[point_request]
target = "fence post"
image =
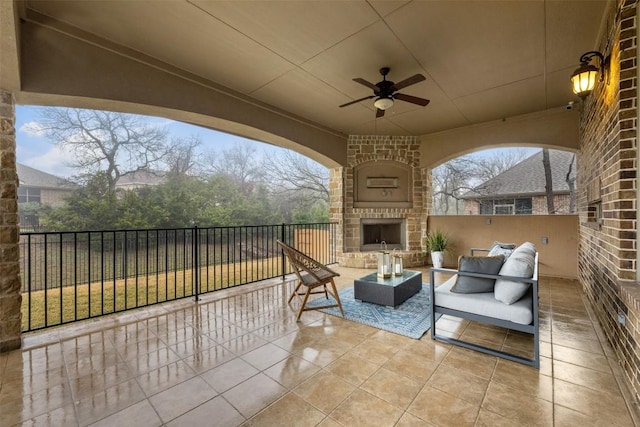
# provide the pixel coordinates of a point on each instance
(196, 261)
(282, 260)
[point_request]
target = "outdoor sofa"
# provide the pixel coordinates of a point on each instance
(500, 289)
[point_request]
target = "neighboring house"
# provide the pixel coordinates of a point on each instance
(520, 190)
(141, 178)
(41, 187)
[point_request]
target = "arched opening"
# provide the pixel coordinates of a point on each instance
(74, 153)
(506, 181)
(501, 195)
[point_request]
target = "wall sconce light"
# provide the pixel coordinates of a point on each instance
(583, 79)
(383, 103)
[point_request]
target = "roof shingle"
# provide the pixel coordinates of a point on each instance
(527, 177)
(31, 177)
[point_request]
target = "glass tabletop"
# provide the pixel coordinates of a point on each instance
(390, 281)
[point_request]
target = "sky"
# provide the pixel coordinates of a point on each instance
(34, 149)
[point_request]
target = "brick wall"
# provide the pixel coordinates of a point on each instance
(10, 297)
(561, 203)
(607, 177)
(362, 149)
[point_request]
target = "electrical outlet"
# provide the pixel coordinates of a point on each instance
(545, 240)
(622, 319)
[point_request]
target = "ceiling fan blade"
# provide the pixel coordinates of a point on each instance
(410, 81)
(365, 83)
(356, 101)
(411, 99)
(379, 113)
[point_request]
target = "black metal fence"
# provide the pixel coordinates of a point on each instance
(70, 276)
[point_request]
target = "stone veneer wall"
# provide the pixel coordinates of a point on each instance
(366, 148)
(10, 297)
(607, 172)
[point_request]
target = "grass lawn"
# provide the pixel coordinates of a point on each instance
(62, 305)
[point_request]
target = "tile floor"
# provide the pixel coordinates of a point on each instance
(239, 358)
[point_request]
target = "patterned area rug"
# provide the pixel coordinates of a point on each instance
(411, 319)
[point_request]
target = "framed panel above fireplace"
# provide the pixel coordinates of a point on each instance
(383, 184)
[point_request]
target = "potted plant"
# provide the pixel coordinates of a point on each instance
(437, 242)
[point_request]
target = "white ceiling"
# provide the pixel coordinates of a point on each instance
(483, 60)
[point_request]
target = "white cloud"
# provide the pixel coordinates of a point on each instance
(55, 161)
(33, 128)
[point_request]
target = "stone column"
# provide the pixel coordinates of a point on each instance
(336, 207)
(10, 297)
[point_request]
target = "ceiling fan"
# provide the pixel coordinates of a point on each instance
(386, 91)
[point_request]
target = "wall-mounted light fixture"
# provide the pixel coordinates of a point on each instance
(584, 78)
(383, 103)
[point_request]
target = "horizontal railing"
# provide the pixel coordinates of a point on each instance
(71, 276)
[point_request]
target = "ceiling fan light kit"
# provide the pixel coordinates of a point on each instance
(385, 92)
(383, 103)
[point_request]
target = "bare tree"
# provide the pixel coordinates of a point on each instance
(571, 183)
(449, 182)
(115, 144)
(288, 172)
(181, 156)
(300, 184)
(239, 163)
(548, 181)
(488, 167)
(453, 179)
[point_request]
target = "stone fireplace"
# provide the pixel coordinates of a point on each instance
(380, 195)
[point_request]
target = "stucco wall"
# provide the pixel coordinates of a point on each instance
(556, 128)
(558, 258)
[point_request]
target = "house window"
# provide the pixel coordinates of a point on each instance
(503, 207)
(26, 194)
(521, 206)
(524, 206)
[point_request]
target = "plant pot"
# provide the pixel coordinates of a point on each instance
(437, 259)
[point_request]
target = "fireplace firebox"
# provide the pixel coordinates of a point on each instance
(373, 231)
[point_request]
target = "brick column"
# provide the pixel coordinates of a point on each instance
(10, 297)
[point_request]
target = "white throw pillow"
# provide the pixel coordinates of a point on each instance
(499, 248)
(526, 248)
(519, 264)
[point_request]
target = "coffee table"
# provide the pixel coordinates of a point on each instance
(390, 292)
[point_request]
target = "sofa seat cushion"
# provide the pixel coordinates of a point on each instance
(485, 304)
